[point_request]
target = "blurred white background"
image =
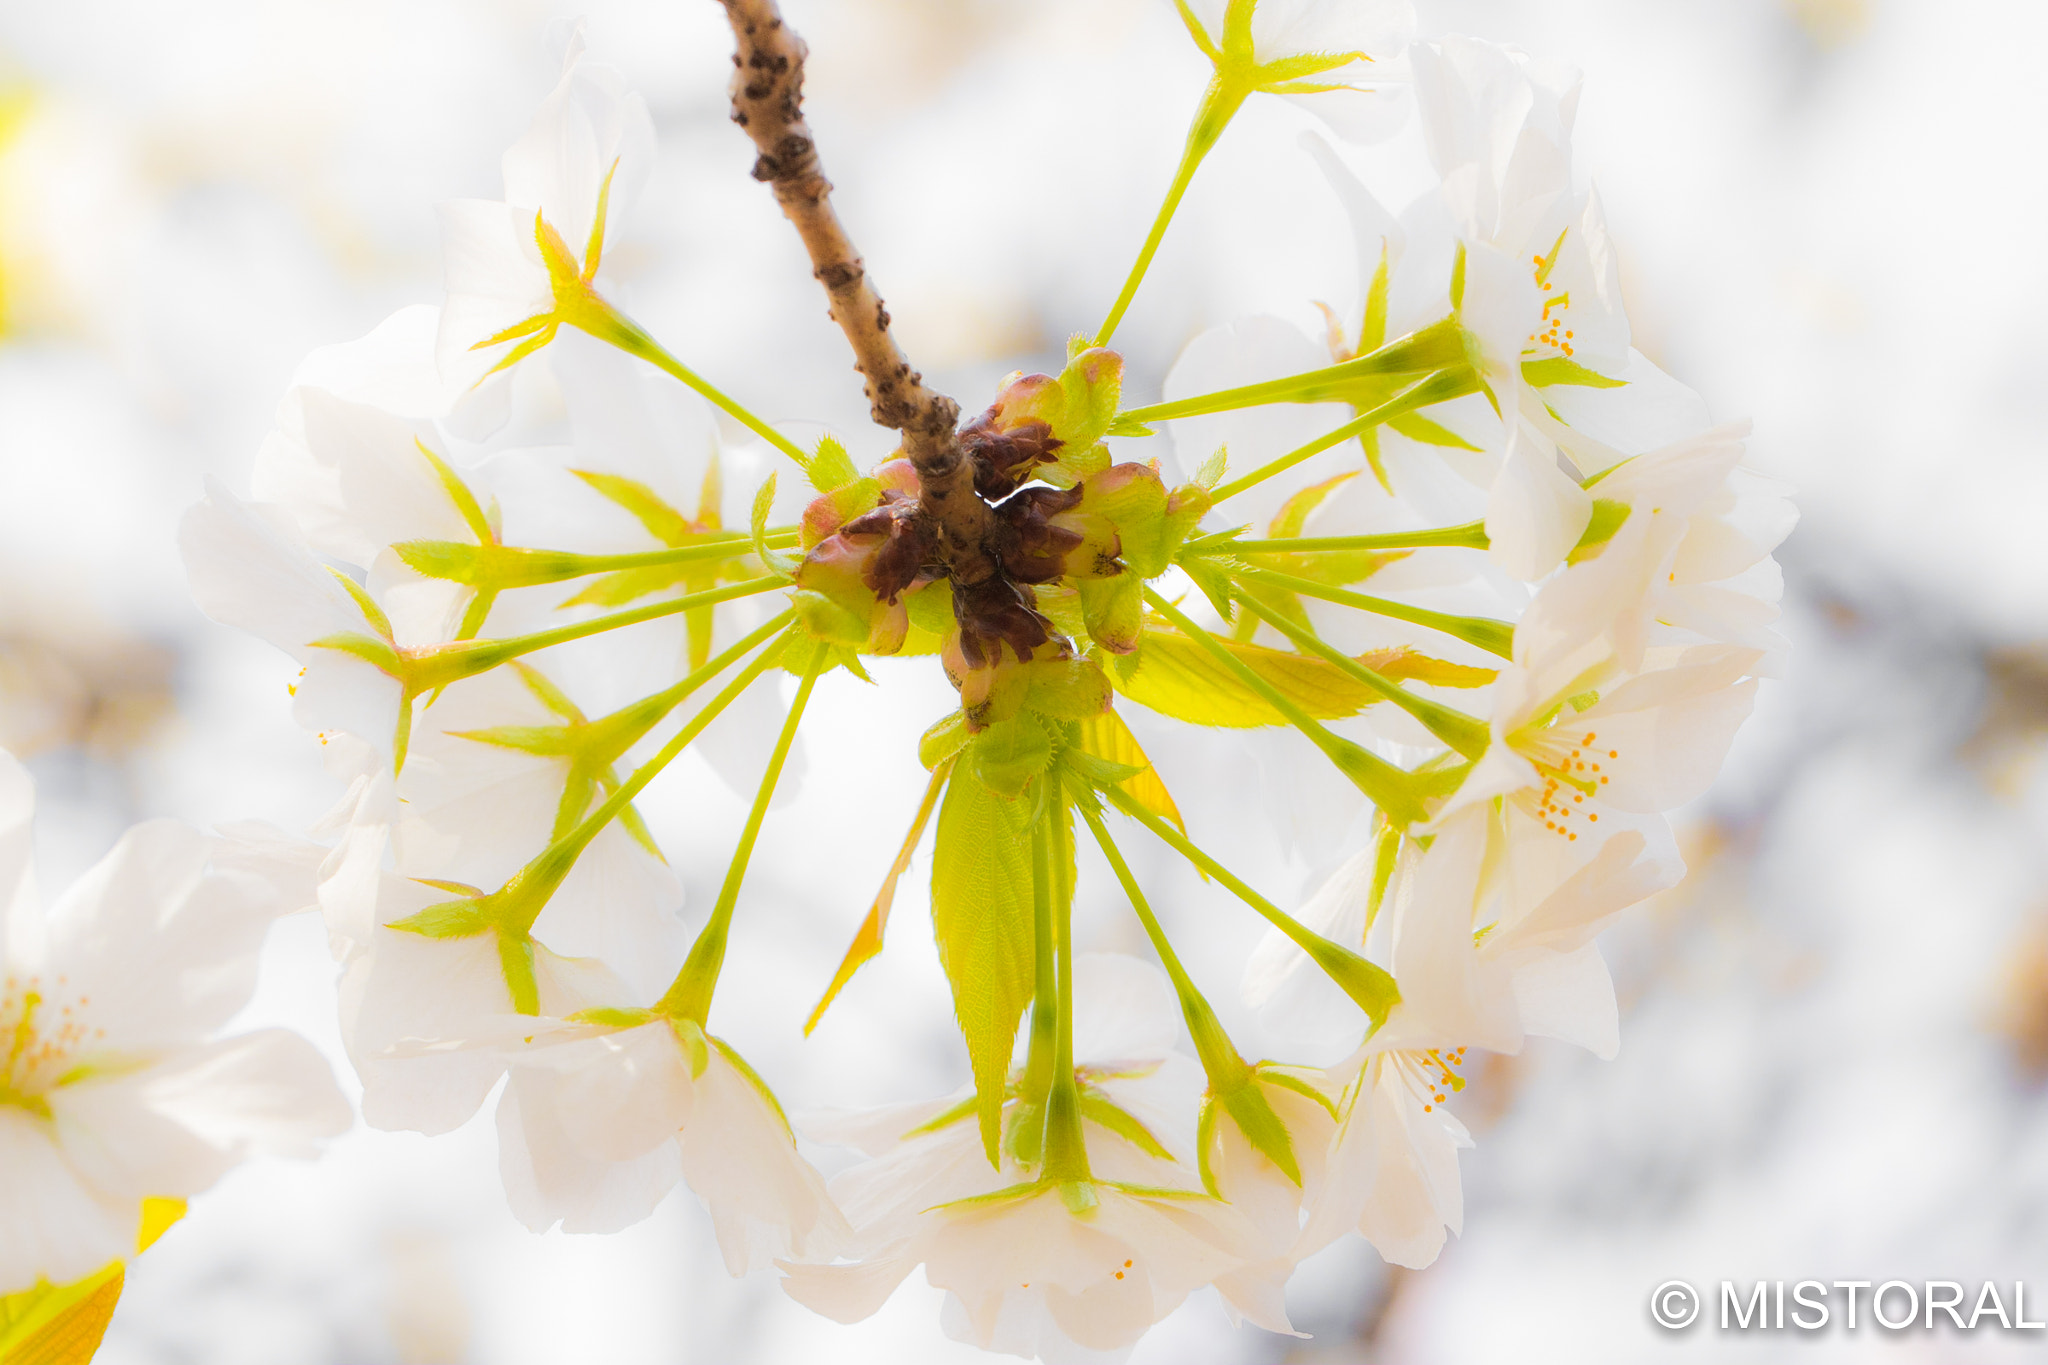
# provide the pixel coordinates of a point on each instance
(1835, 1034)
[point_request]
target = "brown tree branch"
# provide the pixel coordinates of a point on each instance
(767, 101)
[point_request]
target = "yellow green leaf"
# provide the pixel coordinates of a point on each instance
(982, 918)
(1107, 737)
(1175, 676)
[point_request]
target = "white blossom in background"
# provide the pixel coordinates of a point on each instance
(116, 1085)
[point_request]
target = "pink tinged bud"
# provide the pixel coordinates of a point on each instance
(1095, 554)
(820, 520)
(898, 475)
(1024, 398)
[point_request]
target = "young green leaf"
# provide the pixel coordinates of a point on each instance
(831, 467)
(982, 917)
(1179, 678)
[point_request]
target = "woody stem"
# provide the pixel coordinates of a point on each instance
(767, 101)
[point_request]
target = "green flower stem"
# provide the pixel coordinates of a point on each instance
(1221, 1060)
(1437, 388)
(443, 664)
(1368, 984)
(1066, 1149)
(1467, 734)
(1390, 788)
(634, 720)
(690, 996)
(607, 323)
(1220, 104)
(1439, 346)
(497, 568)
(1045, 1003)
(1495, 637)
(1470, 536)
(527, 893)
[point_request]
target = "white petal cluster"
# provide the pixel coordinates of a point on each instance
(1630, 549)
(400, 440)
(116, 1085)
(1024, 1272)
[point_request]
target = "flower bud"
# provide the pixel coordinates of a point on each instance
(862, 571)
(1008, 442)
(1048, 533)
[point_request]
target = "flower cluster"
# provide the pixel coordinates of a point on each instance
(1500, 571)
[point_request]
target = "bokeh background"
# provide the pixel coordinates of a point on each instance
(1835, 1033)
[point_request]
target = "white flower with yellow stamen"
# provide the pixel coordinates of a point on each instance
(115, 1085)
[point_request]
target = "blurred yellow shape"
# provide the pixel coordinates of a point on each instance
(63, 1324)
(14, 111)
(1830, 23)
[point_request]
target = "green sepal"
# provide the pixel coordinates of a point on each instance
(1368, 984)
(1608, 516)
(1558, 370)
(1009, 1194)
(613, 1016)
(1416, 427)
(1098, 1109)
(1272, 1073)
(739, 1064)
(515, 957)
(449, 919)
(690, 1034)
(945, 1118)
(1205, 1137)
(1262, 1128)
(1126, 425)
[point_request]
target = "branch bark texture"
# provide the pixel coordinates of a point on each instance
(767, 101)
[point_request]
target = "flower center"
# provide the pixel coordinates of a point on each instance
(1437, 1070)
(1571, 773)
(1557, 304)
(40, 1032)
